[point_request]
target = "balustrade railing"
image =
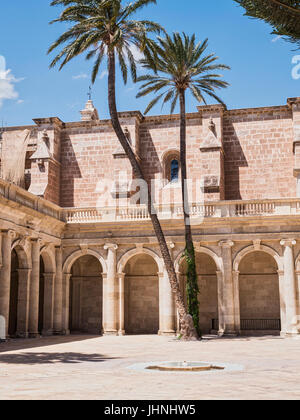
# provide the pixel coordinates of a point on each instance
(200, 211)
(222, 209)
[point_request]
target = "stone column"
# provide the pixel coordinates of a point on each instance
(109, 292)
(236, 299)
(24, 275)
(66, 304)
(58, 292)
(34, 289)
(221, 308)
(166, 306)
(7, 237)
(282, 302)
(227, 297)
(0, 249)
(121, 277)
(48, 304)
(290, 287)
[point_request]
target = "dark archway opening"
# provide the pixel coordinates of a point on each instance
(86, 296)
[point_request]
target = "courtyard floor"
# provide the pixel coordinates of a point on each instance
(85, 367)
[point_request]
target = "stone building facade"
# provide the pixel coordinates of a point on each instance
(79, 255)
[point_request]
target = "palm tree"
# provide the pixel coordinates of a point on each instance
(283, 16)
(104, 29)
(180, 64)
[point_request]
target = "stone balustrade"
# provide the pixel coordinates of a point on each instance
(208, 210)
(213, 210)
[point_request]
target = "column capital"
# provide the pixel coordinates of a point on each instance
(67, 276)
(121, 276)
(280, 272)
(38, 241)
(288, 242)
(10, 233)
(111, 247)
(226, 244)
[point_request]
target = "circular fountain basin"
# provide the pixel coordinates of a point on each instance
(184, 367)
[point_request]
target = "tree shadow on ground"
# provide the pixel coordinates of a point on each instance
(20, 344)
(51, 358)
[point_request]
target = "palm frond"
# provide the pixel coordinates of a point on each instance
(180, 63)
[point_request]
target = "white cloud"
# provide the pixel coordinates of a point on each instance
(80, 76)
(137, 53)
(277, 38)
(7, 83)
(103, 74)
(130, 89)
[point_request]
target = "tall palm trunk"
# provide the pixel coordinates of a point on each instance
(192, 282)
(139, 174)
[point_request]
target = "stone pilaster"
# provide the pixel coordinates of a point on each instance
(57, 322)
(292, 324)
(5, 273)
(0, 250)
(34, 289)
(236, 300)
(121, 277)
(24, 276)
(282, 302)
(166, 306)
(226, 292)
(110, 292)
(66, 304)
(48, 304)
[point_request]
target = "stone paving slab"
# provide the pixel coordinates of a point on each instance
(85, 367)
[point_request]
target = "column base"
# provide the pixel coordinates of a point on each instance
(110, 333)
(58, 333)
(34, 335)
(292, 334)
(170, 333)
(22, 335)
(228, 334)
(121, 333)
(47, 333)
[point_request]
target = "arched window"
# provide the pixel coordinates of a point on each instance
(171, 166)
(174, 176)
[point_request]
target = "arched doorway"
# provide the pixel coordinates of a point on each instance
(14, 292)
(208, 290)
(259, 293)
(141, 295)
(86, 296)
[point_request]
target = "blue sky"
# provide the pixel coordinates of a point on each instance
(261, 64)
